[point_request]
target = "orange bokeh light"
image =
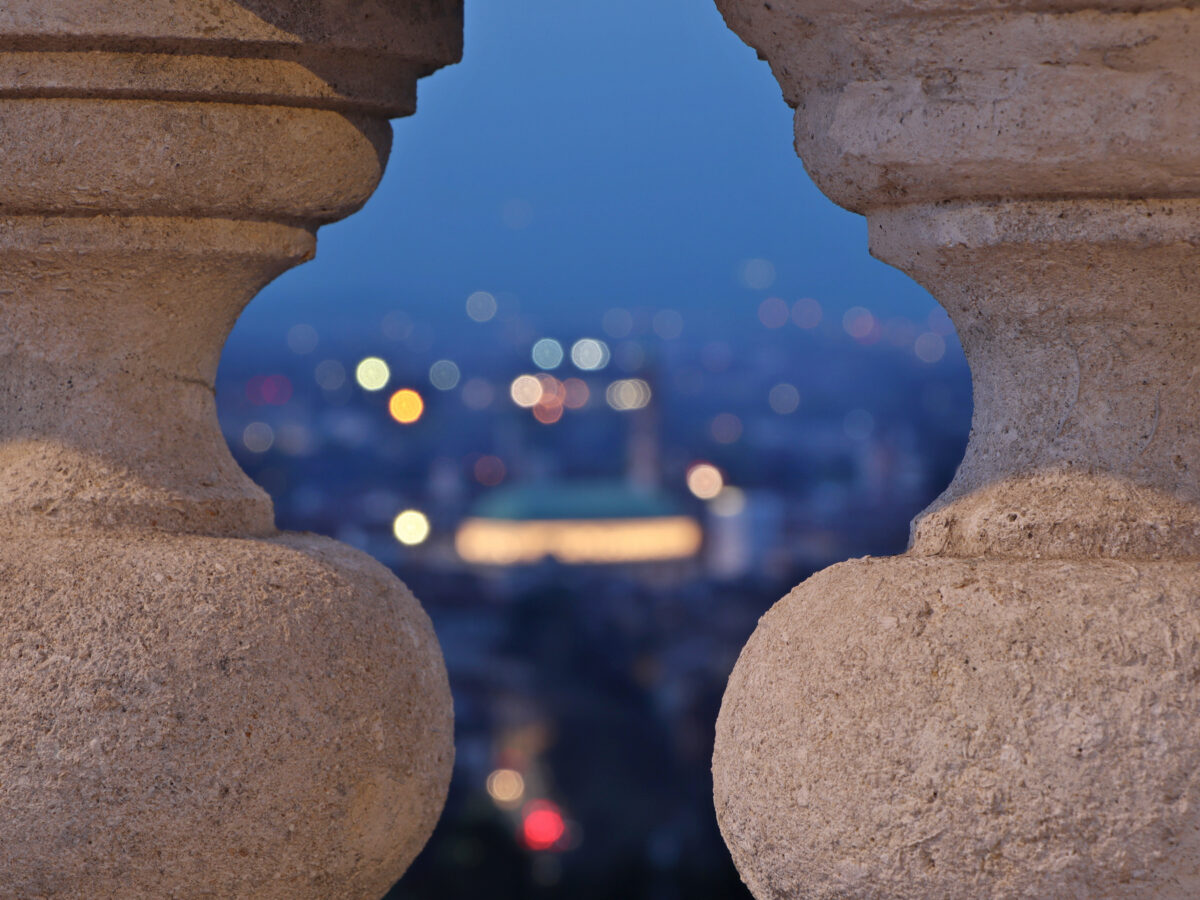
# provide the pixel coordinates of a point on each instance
(548, 415)
(553, 392)
(406, 406)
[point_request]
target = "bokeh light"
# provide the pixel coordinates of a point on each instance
(930, 347)
(506, 787)
(481, 306)
(576, 393)
(548, 415)
(269, 390)
(547, 354)
(411, 528)
(549, 409)
(258, 437)
(784, 399)
(590, 354)
(725, 428)
(543, 825)
(295, 439)
(705, 480)
(372, 374)
(526, 391)
(773, 312)
(478, 394)
(858, 322)
(444, 375)
(628, 394)
(302, 339)
(758, 274)
(330, 375)
(618, 323)
(406, 406)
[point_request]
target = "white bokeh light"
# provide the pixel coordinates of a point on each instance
(444, 375)
(481, 306)
(590, 354)
(547, 354)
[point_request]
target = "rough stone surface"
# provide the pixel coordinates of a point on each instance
(194, 705)
(112, 319)
(909, 102)
(1081, 324)
(920, 728)
(213, 717)
(328, 35)
(1010, 709)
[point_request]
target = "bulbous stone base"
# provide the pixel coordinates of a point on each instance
(956, 728)
(194, 717)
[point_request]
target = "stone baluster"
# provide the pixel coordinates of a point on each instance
(194, 704)
(1011, 708)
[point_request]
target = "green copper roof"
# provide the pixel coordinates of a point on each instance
(574, 500)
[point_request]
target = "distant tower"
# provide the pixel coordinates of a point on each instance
(643, 453)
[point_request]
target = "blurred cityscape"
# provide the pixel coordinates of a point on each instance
(594, 522)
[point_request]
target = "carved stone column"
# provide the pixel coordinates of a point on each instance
(193, 704)
(1012, 709)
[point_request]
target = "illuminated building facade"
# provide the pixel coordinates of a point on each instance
(588, 524)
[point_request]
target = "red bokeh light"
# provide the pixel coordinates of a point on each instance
(543, 825)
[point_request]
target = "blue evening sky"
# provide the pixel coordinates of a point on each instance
(588, 154)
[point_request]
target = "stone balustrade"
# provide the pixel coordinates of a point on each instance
(1009, 710)
(199, 706)
(195, 705)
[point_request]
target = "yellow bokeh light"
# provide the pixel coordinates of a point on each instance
(411, 528)
(506, 787)
(372, 374)
(705, 481)
(406, 406)
(526, 391)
